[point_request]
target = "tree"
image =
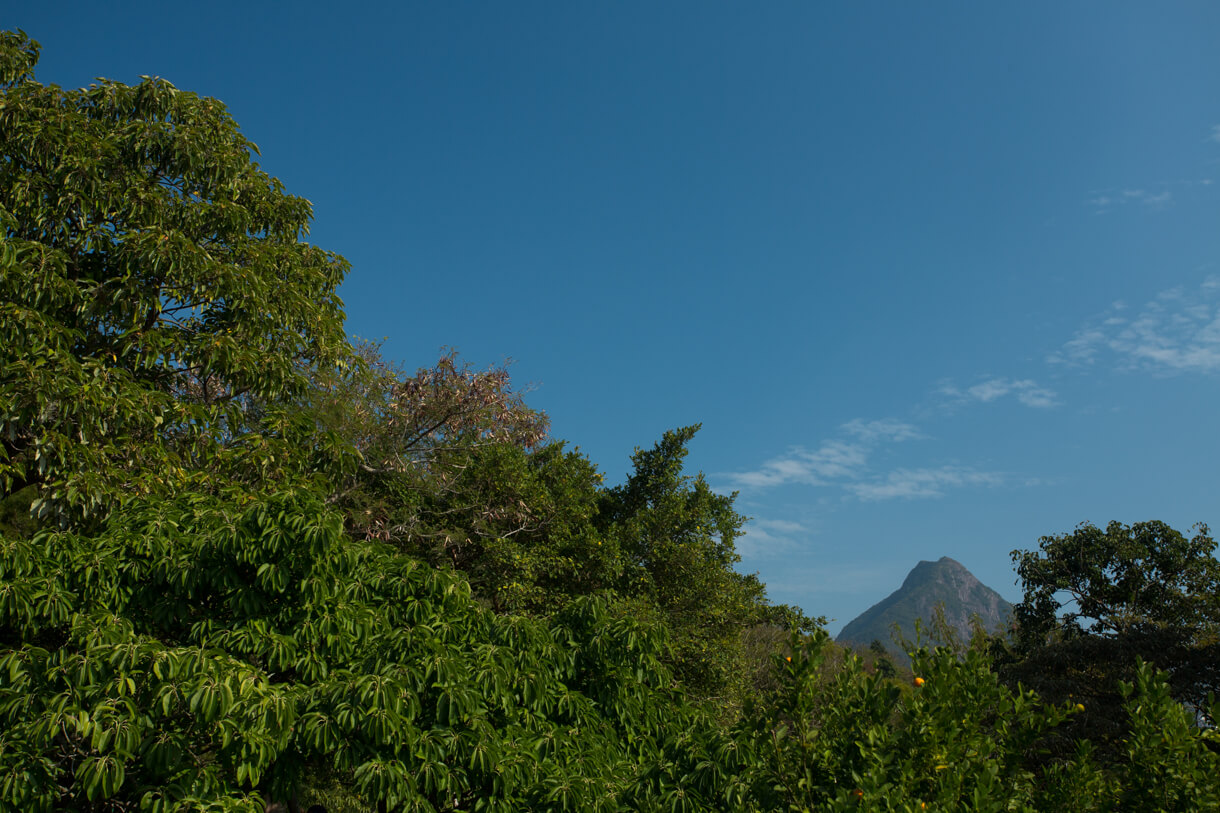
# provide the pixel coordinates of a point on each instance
(883, 664)
(677, 538)
(421, 425)
(1097, 601)
(454, 467)
(157, 300)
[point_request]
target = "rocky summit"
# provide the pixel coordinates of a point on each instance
(945, 582)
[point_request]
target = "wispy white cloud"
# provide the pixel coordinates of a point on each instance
(836, 459)
(1178, 331)
(1036, 397)
(1156, 196)
(846, 461)
(845, 464)
(1025, 390)
(782, 526)
(833, 460)
(883, 429)
(928, 482)
(1107, 199)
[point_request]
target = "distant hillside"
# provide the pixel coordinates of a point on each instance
(944, 582)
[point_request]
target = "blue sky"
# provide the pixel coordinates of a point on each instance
(937, 279)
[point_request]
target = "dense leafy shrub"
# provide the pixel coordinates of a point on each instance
(209, 654)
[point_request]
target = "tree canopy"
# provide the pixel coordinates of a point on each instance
(158, 297)
(1097, 600)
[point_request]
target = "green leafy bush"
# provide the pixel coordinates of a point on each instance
(206, 654)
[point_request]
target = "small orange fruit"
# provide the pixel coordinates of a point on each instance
(919, 681)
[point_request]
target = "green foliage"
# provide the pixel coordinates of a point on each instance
(201, 653)
(156, 296)
(882, 663)
(1170, 764)
(1122, 580)
(859, 741)
(456, 470)
(528, 542)
(1097, 601)
(677, 536)
(834, 737)
(15, 515)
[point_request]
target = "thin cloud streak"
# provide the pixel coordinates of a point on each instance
(1025, 390)
(883, 429)
(1106, 200)
(833, 461)
(1158, 197)
(845, 465)
(1177, 332)
(922, 483)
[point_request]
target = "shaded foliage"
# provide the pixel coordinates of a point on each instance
(1098, 601)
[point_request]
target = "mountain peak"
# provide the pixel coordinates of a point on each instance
(942, 565)
(945, 582)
